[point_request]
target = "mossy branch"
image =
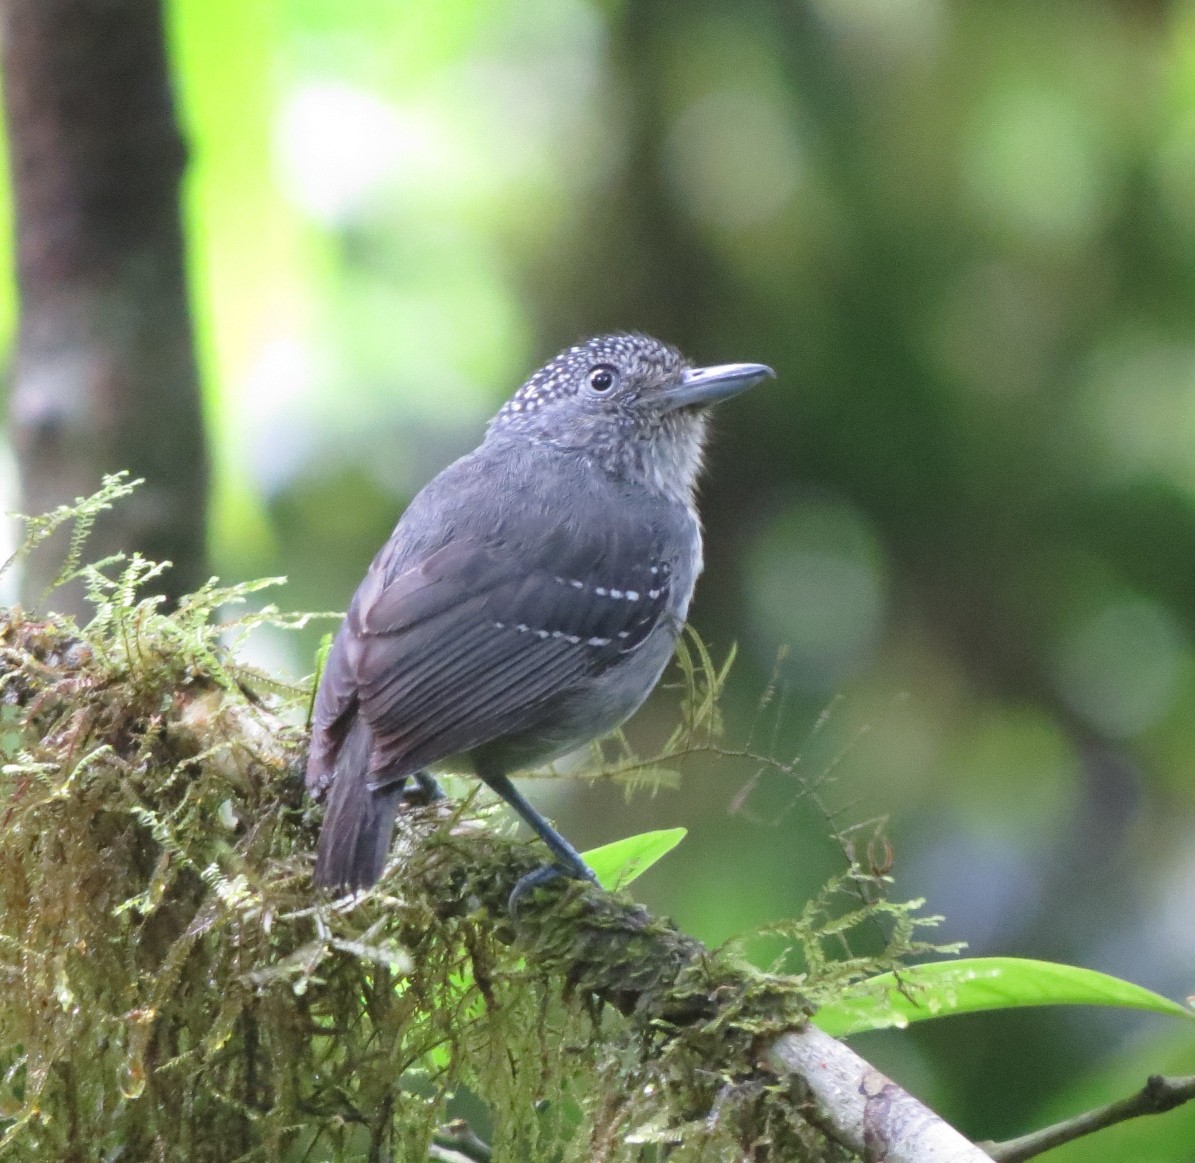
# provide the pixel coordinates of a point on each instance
(174, 988)
(173, 983)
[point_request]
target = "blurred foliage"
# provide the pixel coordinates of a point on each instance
(964, 234)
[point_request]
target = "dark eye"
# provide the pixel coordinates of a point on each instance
(603, 378)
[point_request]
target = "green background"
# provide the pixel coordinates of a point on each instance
(964, 236)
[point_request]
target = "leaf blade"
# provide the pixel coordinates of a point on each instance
(971, 985)
(623, 861)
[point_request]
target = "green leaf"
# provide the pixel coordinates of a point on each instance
(617, 864)
(980, 983)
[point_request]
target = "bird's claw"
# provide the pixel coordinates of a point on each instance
(422, 791)
(536, 878)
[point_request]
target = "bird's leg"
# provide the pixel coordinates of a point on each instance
(568, 858)
(424, 791)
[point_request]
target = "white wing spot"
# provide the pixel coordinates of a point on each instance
(616, 593)
(653, 594)
(600, 591)
(522, 627)
(632, 595)
(597, 642)
(499, 625)
(577, 585)
(541, 634)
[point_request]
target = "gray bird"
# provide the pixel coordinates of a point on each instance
(527, 601)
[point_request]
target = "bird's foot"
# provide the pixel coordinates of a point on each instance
(536, 878)
(421, 791)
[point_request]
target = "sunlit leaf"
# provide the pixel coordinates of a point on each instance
(617, 864)
(981, 983)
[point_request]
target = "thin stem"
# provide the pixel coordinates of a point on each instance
(1157, 1096)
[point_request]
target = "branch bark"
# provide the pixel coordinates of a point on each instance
(865, 1110)
(104, 375)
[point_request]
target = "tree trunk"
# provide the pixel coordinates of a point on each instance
(104, 375)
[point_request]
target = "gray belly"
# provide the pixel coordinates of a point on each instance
(586, 712)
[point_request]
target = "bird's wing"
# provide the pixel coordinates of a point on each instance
(469, 644)
(335, 702)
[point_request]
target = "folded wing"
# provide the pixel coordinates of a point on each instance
(476, 640)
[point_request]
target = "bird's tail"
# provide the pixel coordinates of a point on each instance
(358, 822)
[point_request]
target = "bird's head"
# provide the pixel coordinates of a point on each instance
(631, 404)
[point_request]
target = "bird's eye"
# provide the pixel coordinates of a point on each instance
(603, 379)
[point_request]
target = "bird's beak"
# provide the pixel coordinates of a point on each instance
(701, 386)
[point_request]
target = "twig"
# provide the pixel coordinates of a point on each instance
(1157, 1096)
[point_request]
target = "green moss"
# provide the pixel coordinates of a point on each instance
(175, 989)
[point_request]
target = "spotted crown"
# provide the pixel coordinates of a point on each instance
(637, 357)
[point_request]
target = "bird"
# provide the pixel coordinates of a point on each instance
(528, 600)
